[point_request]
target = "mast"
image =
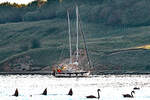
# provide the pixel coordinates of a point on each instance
(69, 37)
(77, 26)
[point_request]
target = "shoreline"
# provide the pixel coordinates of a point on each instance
(97, 73)
(27, 73)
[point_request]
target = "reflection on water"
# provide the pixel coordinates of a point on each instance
(112, 87)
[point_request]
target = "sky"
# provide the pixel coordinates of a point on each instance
(17, 1)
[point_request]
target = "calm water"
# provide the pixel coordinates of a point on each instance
(112, 87)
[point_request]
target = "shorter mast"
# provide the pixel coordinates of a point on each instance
(69, 37)
(77, 26)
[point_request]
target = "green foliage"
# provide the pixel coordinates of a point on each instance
(24, 47)
(109, 12)
(35, 43)
(52, 38)
(41, 33)
(8, 4)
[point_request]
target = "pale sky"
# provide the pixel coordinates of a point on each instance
(17, 1)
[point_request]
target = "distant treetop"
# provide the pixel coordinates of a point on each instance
(13, 4)
(39, 3)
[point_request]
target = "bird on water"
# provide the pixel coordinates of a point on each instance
(45, 92)
(129, 95)
(70, 92)
(136, 88)
(16, 93)
(92, 96)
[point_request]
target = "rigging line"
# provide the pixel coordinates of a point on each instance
(85, 45)
(69, 37)
(63, 47)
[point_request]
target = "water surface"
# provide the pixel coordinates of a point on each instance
(112, 87)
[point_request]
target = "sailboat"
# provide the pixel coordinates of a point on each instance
(72, 68)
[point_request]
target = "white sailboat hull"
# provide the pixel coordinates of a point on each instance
(72, 74)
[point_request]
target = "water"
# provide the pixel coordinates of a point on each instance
(112, 87)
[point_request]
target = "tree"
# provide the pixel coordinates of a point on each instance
(35, 43)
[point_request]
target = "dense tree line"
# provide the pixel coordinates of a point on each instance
(14, 12)
(110, 12)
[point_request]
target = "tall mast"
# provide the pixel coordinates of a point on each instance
(69, 37)
(77, 26)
